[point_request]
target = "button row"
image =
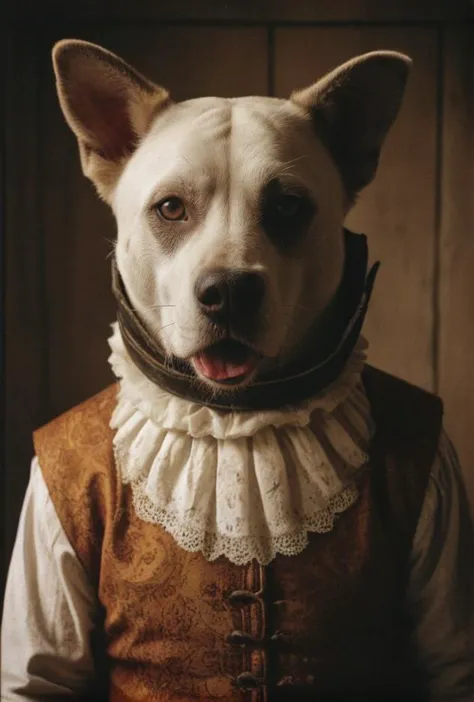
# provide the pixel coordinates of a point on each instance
(246, 680)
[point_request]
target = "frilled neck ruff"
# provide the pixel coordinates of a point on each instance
(316, 370)
(244, 485)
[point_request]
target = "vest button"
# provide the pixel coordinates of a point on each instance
(242, 597)
(241, 638)
(247, 681)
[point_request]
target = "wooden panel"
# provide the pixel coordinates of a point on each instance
(257, 10)
(190, 62)
(456, 292)
(397, 211)
(25, 332)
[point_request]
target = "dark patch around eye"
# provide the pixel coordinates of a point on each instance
(285, 213)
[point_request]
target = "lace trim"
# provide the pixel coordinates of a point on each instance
(240, 550)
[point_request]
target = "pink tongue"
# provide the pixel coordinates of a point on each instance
(219, 369)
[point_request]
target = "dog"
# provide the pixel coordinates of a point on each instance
(229, 211)
(233, 551)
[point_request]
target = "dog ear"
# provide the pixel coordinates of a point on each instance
(353, 107)
(108, 105)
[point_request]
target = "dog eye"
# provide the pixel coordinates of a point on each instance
(285, 214)
(288, 206)
(172, 209)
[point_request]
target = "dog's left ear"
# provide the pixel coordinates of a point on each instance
(353, 107)
(108, 105)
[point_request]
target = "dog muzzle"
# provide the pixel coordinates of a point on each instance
(320, 363)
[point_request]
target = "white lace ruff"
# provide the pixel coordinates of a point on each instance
(240, 484)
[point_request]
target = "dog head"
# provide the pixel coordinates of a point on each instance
(229, 211)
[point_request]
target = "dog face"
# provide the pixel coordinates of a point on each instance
(229, 211)
(220, 211)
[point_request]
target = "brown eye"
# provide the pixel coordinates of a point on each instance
(172, 209)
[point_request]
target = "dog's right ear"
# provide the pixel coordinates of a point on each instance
(353, 108)
(108, 105)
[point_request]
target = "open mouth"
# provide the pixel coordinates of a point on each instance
(227, 361)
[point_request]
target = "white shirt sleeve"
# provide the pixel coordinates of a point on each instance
(49, 607)
(441, 589)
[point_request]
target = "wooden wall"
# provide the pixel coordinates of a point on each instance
(418, 214)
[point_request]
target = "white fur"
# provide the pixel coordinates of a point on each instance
(226, 151)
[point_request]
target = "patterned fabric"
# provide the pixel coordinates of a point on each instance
(326, 622)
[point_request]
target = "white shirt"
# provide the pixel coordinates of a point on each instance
(50, 604)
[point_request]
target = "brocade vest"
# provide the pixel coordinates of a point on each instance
(328, 624)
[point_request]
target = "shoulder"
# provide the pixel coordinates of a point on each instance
(75, 453)
(81, 432)
(408, 423)
(100, 404)
(400, 409)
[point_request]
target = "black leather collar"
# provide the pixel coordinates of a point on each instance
(321, 363)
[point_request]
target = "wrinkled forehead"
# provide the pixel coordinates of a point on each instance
(210, 141)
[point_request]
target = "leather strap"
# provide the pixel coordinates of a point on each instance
(317, 367)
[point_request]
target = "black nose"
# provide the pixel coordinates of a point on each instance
(230, 298)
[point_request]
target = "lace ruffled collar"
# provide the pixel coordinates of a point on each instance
(243, 485)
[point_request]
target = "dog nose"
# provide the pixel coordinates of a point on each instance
(229, 297)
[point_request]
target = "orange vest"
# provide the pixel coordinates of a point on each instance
(328, 624)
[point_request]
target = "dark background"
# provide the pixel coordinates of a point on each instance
(418, 214)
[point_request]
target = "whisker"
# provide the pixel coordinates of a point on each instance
(286, 167)
(113, 245)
